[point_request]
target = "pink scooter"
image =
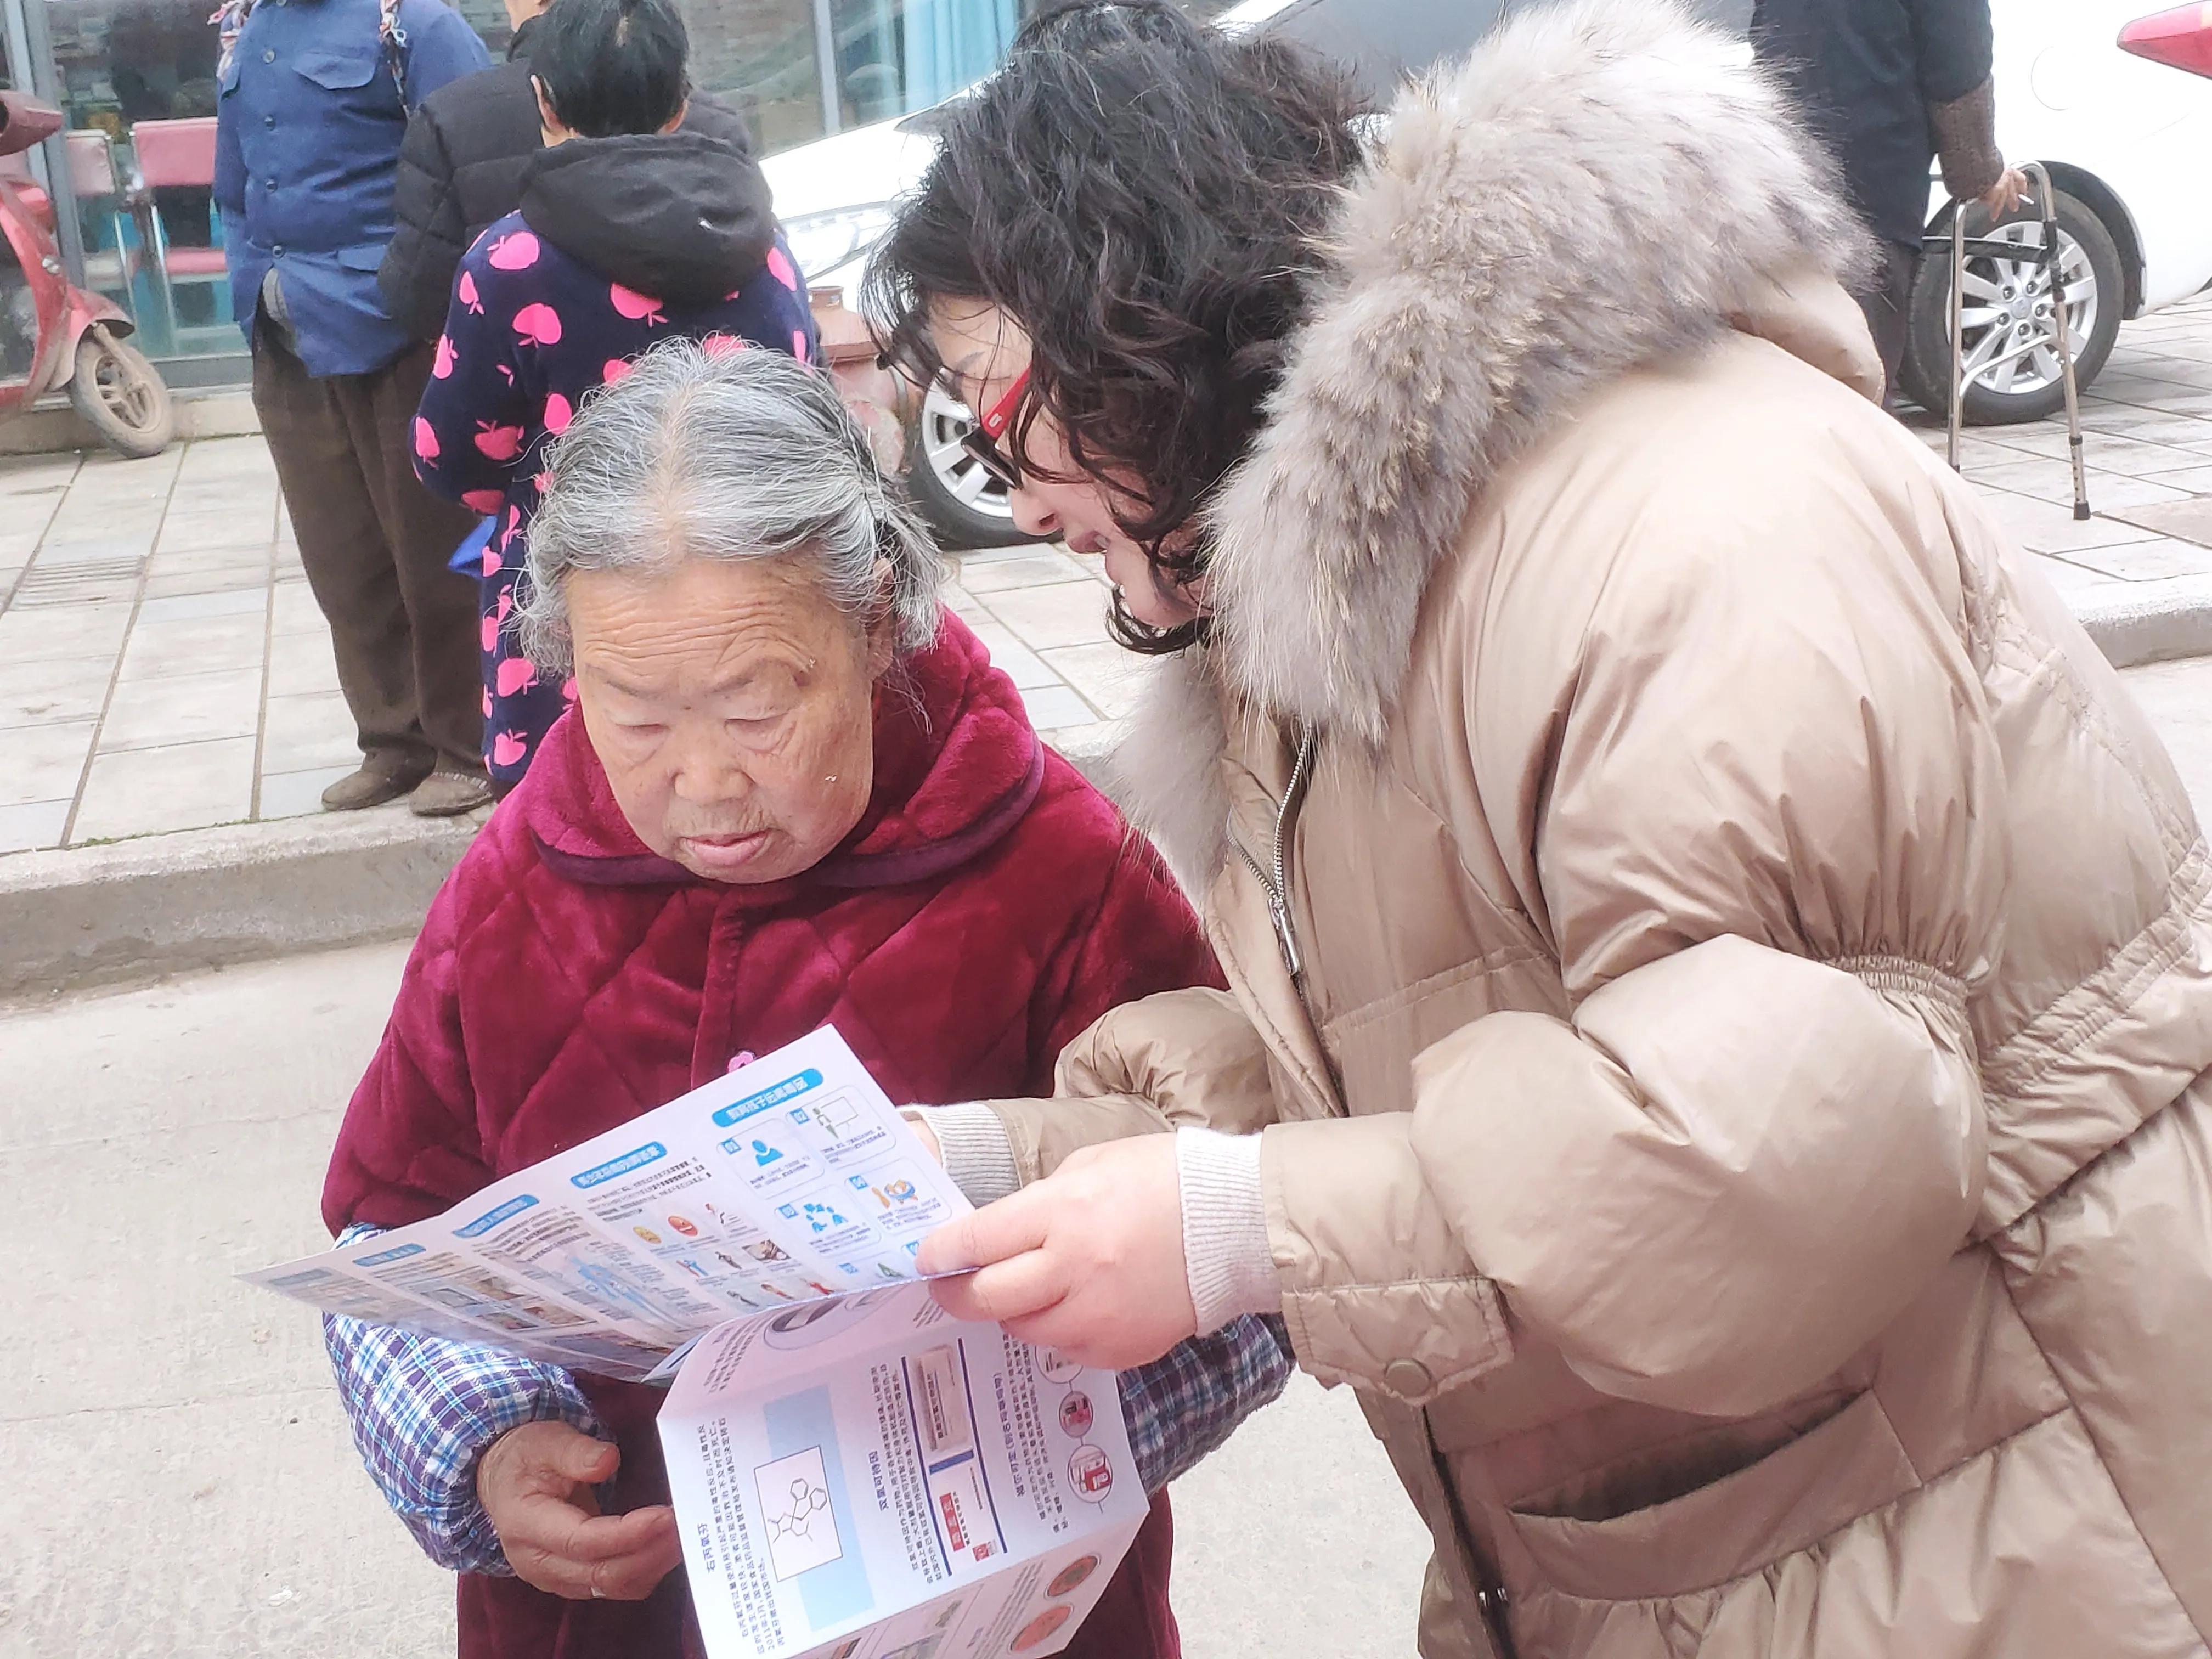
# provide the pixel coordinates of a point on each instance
(54, 334)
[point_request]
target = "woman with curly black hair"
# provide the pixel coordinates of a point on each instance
(1719, 964)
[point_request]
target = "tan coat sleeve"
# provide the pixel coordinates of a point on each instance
(1772, 857)
(1763, 816)
(1178, 1057)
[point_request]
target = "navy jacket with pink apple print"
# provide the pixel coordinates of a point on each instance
(619, 243)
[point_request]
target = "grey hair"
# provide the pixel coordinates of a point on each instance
(743, 454)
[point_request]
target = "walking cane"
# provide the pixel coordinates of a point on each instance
(2054, 276)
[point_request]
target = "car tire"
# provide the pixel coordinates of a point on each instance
(121, 396)
(1926, 372)
(962, 505)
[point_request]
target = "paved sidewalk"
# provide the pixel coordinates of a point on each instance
(163, 666)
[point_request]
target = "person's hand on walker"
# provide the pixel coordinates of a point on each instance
(536, 1484)
(1089, 1260)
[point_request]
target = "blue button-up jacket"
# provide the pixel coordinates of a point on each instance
(307, 139)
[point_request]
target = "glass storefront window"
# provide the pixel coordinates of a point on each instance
(761, 57)
(895, 57)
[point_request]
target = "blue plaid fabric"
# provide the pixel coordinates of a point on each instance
(425, 1410)
(1182, 1406)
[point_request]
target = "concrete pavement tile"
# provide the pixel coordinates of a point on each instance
(183, 607)
(227, 530)
(30, 475)
(2196, 480)
(1016, 660)
(45, 693)
(196, 645)
(147, 714)
(34, 824)
(2045, 527)
(300, 663)
(2191, 519)
(964, 604)
(2181, 370)
(296, 795)
(2076, 583)
(2053, 481)
(221, 578)
(294, 610)
(2173, 431)
(43, 762)
(225, 457)
(300, 733)
(175, 561)
(2105, 451)
(1053, 707)
(1111, 678)
(43, 589)
(2155, 559)
(17, 544)
(1066, 613)
(1036, 567)
(187, 785)
(2160, 397)
(250, 501)
(75, 633)
(97, 548)
(1978, 455)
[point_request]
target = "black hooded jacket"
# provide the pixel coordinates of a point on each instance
(670, 214)
(469, 149)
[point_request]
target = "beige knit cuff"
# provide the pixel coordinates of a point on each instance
(977, 1154)
(1226, 1257)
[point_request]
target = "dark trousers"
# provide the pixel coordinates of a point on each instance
(1889, 306)
(375, 543)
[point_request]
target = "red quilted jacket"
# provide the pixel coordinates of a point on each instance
(986, 908)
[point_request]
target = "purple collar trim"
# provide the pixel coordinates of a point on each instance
(850, 870)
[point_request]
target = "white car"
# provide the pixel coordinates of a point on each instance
(2122, 130)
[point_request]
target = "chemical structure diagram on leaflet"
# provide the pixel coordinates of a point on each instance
(802, 1523)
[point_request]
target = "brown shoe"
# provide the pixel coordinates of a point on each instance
(445, 794)
(379, 779)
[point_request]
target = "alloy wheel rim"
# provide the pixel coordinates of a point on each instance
(2011, 346)
(944, 421)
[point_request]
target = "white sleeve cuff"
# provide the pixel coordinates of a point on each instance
(1226, 1256)
(977, 1154)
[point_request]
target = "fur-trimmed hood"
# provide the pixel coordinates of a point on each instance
(1597, 187)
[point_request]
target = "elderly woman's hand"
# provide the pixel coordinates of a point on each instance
(1088, 1260)
(535, 1482)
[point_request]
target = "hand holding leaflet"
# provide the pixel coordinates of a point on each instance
(855, 1474)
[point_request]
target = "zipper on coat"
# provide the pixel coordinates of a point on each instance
(1277, 884)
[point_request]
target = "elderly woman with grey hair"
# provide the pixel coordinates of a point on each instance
(793, 792)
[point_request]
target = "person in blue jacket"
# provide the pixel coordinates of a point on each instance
(314, 96)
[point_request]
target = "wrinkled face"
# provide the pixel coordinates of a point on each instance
(985, 350)
(730, 702)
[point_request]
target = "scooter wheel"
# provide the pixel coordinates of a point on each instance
(122, 397)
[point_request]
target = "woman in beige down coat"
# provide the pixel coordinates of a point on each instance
(1721, 968)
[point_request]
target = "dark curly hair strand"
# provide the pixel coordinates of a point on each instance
(1142, 195)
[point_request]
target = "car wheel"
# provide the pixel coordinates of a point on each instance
(964, 504)
(2011, 371)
